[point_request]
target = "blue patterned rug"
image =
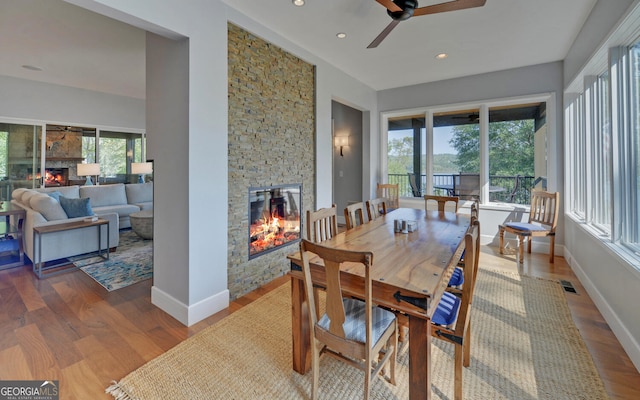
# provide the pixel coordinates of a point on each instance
(131, 263)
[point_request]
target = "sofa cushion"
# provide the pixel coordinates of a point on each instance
(139, 192)
(17, 194)
(26, 196)
(56, 195)
(76, 207)
(70, 192)
(49, 207)
(106, 195)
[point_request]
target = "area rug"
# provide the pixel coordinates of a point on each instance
(525, 346)
(132, 262)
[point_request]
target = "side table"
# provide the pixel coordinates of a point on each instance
(11, 249)
(39, 267)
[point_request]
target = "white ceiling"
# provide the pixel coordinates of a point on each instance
(78, 48)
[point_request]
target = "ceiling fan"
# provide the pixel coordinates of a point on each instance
(402, 10)
(472, 118)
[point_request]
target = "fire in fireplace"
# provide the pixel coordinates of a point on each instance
(53, 177)
(274, 217)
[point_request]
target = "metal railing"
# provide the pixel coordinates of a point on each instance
(517, 189)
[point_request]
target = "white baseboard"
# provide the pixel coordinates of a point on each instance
(628, 342)
(189, 314)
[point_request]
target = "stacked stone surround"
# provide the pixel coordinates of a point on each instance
(271, 142)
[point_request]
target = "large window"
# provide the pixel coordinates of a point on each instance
(454, 155)
(602, 120)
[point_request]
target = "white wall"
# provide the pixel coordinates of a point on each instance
(526, 81)
(26, 99)
(611, 281)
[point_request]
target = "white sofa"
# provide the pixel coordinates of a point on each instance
(107, 201)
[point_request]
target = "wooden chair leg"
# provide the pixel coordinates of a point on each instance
(315, 366)
(529, 244)
(501, 241)
(521, 248)
(457, 388)
(466, 360)
(552, 241)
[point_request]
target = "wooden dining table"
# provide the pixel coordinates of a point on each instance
(409, 274)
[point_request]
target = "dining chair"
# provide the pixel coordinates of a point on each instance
(376, 207)
(354, 215)
(441, 200)
(352, 330)
(414, 185)
(322, 224)
(389, 191)
(452, 317)
(543, 219)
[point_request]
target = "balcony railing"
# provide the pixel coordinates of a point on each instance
(513, 189)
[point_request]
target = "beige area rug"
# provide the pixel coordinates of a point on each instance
(525, 346)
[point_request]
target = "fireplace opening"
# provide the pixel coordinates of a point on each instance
(274, 217)
(53, 177)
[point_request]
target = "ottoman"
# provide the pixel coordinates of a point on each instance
(142, 223)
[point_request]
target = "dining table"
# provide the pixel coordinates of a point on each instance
(410, 272)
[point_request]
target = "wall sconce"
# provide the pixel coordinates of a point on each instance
(341, 141)
(89, 170)
(141, 169)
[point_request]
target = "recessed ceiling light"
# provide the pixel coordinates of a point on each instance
(298, 3)
(341, 35)
(442, 56)
(32, 68)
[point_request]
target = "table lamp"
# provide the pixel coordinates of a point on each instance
(89, 170)
(141, 169)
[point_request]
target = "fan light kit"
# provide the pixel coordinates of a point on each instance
(298, 3)
(402, 10)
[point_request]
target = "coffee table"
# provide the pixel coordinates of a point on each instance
(142, 223)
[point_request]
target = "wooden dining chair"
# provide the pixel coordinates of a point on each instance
(441, 200)
(543, 219)
(389, 191)
(354, 331)
(354, 215)
(322, 224)
(376, 207)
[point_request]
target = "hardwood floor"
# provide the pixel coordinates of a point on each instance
(68, 328)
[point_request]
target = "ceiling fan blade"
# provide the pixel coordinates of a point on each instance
(449, 6)
(390, 5)
(383, 34)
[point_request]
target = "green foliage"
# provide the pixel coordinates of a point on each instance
(400, 159)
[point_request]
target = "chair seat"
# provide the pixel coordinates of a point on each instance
(457, 278)
(524, 226)
(355, 323)
(447, 310)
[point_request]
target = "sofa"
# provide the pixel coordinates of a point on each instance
(112, 202)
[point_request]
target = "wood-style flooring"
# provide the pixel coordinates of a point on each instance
(68, 328)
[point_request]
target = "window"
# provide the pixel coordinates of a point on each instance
(117, 151)
(452, 155)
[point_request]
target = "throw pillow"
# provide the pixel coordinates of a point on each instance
(76, 207)
(56, 195)
(48, 207)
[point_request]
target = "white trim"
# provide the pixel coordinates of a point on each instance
(628, 342)
(189, 314)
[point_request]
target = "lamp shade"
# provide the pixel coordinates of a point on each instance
(88, 169)
(141, 168)
(341, 141)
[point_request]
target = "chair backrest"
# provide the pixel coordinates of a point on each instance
(475, 210)
(376, 207)
(332, 259)
(544, 208)
(442, 201)
(389, 191)
(472, 248)
(322, 224)
(354, 215)
(466, 186)
(414, 185)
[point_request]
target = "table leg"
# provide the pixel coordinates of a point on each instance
(300, 328)
(419, 358)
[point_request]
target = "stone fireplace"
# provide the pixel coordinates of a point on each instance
(271, 143)
(274, 217)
